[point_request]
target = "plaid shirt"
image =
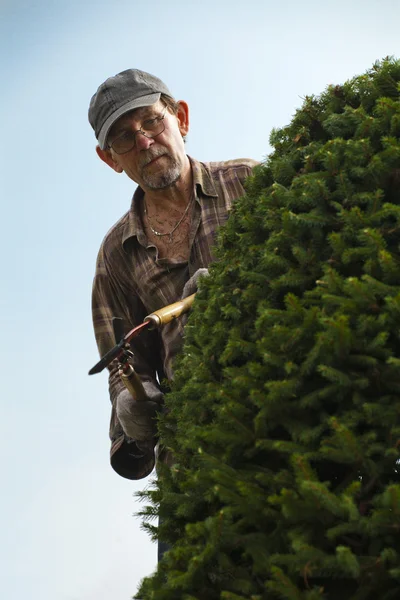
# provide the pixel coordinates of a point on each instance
(132, 282)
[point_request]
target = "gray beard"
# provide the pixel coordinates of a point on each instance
(164, 179)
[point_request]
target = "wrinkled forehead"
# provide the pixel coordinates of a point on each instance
(135, 117)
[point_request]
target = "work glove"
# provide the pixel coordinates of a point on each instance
(192, 284)
(190, 288)
(138, 418)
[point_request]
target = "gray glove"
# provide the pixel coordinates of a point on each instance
(192, 284)
(138, 418)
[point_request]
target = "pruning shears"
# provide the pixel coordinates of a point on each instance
(122, 350)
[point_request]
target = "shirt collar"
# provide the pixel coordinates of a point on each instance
(202, 177)
(202, 181)
(133, 226)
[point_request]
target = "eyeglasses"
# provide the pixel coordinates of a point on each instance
(149, 128)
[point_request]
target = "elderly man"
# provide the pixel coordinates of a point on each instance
(162, 243)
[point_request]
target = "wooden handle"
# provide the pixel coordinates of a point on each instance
(133, 383)
(169, 313)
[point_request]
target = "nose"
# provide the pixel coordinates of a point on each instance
(142, 141)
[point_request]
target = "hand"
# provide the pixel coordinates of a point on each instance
(190, 288)
(192, 284)
(137, 418)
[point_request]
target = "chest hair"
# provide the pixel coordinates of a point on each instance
(174, 246)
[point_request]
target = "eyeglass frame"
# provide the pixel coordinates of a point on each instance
(134, 133)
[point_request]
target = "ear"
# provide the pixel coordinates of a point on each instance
(183, 117)
(107, 157)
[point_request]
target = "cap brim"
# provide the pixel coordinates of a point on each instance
(138, 103)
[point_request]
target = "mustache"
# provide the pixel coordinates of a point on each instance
(151, 154)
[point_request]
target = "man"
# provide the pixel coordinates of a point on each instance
(162, 243)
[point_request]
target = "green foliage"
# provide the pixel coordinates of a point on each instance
(284, 417)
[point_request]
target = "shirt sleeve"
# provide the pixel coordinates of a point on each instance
(108, 301)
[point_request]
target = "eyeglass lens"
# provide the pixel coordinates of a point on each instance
(149, 128)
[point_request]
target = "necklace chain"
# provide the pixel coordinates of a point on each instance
(160, 234)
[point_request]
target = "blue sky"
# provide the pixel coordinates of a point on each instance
(67, 519)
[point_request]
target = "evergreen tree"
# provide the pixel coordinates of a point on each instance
(285, 413)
